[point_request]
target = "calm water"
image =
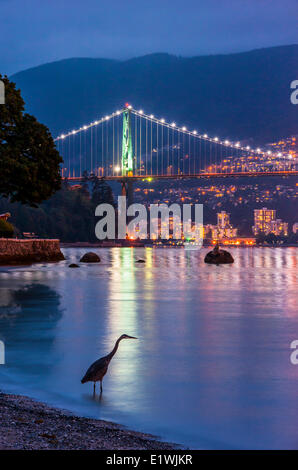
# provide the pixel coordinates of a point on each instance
(211, 367)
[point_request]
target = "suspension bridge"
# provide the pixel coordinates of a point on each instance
(129, 145)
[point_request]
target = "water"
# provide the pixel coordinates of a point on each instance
(211, 368)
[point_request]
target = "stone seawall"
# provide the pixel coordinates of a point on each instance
(14, 251)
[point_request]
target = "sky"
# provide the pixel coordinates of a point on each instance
(34, 32)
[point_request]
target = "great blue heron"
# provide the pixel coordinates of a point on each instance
(98, 369)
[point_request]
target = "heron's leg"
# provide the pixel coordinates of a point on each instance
(94, 384)
(101, 386)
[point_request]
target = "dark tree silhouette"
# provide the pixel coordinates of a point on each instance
(29, 161)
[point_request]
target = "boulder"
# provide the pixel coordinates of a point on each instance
(90, 257)
(73, 265)
(140, 261)
(218, 256)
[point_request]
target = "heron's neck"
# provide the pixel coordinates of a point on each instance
(112, 353)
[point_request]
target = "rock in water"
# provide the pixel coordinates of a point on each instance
(73, 265)
(90, 258)
(140, 261)
(218, 256)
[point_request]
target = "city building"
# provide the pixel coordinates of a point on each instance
(295, 228)
(223, 229)
(262, 220)
(265, 222)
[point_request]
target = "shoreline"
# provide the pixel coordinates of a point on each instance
(26, 424)
(97, 245)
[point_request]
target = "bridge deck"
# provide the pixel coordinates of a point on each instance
(189, 176)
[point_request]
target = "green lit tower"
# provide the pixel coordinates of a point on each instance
(127, 151)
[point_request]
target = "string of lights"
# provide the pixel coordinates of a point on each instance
(180, 129)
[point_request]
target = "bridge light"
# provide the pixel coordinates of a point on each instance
(130, 107)
(107, 118)
(227, 142)
(62, 136)
(237, 144)
(117, 169)
(279, 154)
(216, 139)
(269, 152)
(162, 120)
(194, 132)
(95, 123)
(258, 150)
(248, 147)
(184, 128)
(118, 112)
(85, 127)
(151, 116)
(173, 124)
(205, 135)
(74, 132)
(141, 111)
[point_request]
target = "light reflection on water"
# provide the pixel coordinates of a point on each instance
(211, 367)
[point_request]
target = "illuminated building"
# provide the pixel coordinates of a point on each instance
(295, 227)
(223, 229)
(263, 218)
(278, 227)
(266, 222)
(223, 219)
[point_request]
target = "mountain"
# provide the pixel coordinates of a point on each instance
(236, 96)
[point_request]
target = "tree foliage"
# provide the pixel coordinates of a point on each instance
(29, 161)
(68, 215)
(6, 229)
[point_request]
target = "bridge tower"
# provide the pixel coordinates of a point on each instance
(127, 150)
(127, 160)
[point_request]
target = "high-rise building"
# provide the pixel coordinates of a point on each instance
(266, 222)
(223, 219)
(223, 229)
(262, 218)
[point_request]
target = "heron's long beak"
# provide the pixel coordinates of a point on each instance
(132, 337)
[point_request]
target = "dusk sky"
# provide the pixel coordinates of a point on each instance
(35, 32)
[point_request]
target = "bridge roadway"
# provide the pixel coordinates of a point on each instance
(243, 174)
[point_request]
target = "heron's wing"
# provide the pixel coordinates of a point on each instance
(95, 367)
